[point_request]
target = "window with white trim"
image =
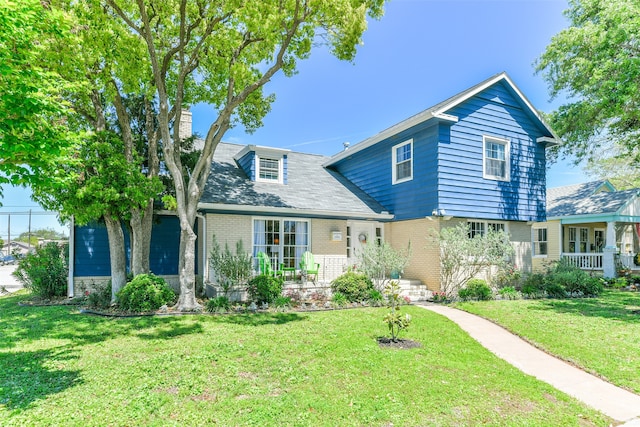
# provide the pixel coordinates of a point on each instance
(402, 162)
(495, 158)
(269, 169)
(540, 242)
(479, 228)
(476, 228)
(283, 240)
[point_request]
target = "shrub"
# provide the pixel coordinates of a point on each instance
(101, 298)
(555, 290)
(264, 289)
(218, 304)
(354, 286)
(282, 303)
(533, 285)
(564, 280)
(146, 292)
(339, 300)
(46, 271)
(462, 258)
(381, 262)
(476, 289)
(230, 269)
(375, 297)
(509, 292)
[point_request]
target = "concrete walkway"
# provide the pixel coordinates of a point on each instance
(617, 403)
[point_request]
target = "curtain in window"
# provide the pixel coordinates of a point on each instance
(302, 239)
(259, 239)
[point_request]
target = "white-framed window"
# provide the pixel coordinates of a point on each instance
(284, 240)
(479, 228)
(540, 242)
(578, 239)
(269, 169)
(495, 158)
(402, 164)
(476, 228)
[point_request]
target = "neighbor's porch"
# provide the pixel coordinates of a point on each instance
(604, 247)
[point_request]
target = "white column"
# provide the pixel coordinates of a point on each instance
(608, 256)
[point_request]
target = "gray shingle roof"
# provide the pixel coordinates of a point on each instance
(309, 186)
(585, 199)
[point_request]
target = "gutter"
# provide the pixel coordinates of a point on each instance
(248, 209)
(72, 256)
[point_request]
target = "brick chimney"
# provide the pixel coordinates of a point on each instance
(186, 124)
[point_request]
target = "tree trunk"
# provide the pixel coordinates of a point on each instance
(117, 253)
(187, 261)
(141, 225)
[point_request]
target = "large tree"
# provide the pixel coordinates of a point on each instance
(595, 63)
(223, 53)
(115, 104)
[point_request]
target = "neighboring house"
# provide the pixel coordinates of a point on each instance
(476, 158)
(590, 225)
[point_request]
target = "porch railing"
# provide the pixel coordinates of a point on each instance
(584, 261)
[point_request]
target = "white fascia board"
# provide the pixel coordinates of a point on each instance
(389, 132)
(502, 76)
(548, 142)
(290, 211)
(261, 150)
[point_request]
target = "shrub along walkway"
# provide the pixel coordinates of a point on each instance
(617, 403)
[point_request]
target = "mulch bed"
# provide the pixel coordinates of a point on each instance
(400, 344)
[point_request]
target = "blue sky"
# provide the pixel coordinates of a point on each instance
(420, 53)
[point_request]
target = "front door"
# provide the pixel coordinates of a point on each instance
(359, 234)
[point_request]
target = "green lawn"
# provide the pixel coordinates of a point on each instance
(59, 367)
(601, 335)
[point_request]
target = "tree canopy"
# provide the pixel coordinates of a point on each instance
(33, 108)
(223, 54)
(595, 62)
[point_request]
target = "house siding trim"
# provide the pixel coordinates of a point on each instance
(310, 213)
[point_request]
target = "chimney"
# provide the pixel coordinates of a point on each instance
(186, 128)
(345, 145)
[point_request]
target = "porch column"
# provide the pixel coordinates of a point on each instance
(609, 251)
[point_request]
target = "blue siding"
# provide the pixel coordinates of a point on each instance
(371, 170)
(462, 189)
(448, 164)
(247, 164)
(92, 248)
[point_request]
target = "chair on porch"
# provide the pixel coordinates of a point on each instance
(264, 265)
(308, 266)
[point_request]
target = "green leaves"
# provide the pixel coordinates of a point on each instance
(596, 63)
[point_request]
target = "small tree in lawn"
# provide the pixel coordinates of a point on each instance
(380, 261)
(462, 257)
(396, 321)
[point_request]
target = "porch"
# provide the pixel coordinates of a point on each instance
(601, 247)
(594, 261)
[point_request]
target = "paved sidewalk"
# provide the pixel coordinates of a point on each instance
(612, 401)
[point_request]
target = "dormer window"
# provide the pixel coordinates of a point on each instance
(264, 164)
(269, 169)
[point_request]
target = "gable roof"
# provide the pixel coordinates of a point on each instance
(439, 110)
(591, 198)
(312, 190)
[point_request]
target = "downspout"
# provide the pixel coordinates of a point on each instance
(72, 256)
(205, 264)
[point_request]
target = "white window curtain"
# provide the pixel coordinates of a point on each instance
(259, 239)
(302, 239)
